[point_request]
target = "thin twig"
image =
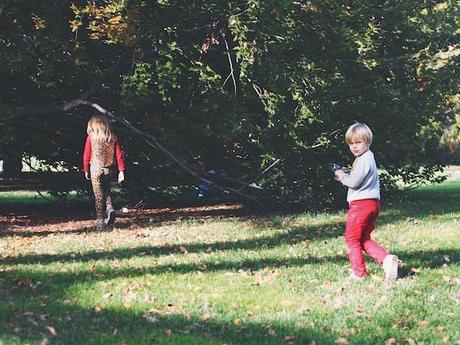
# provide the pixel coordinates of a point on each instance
(41, 194)
(258, 91)
(261, 174)
(232, 71)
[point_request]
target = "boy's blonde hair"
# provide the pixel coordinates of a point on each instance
(359, 130)
(99, 129)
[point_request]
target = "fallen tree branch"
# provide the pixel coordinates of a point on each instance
(153, 142)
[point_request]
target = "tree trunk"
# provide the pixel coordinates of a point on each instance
(12, 164)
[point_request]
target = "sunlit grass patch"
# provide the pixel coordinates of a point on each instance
(239, 280)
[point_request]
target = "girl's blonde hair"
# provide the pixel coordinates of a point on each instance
(360, 131)
(99, 129)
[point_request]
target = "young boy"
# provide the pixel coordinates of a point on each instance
(364, 205)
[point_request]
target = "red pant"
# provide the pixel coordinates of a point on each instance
(360, 223)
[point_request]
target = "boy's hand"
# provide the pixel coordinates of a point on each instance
(338, 174)
(87, 176)
(121, 176)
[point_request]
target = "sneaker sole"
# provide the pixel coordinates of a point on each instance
(393, 269)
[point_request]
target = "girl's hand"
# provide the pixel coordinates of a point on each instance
(87, 176)
(121, 176)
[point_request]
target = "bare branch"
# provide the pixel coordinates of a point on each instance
(230, 63)
(261, 174)
(258, 91)
(153, 142)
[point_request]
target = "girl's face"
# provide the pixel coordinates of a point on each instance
(357, 146)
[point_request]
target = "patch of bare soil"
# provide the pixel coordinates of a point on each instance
(43, 220)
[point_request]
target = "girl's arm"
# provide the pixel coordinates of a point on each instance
(120, 162)
(87, 156)
(119, 155)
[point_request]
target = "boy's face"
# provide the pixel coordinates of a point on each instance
(357, 146)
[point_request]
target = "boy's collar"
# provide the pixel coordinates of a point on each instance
(368, 149)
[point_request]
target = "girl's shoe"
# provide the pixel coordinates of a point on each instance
(110, 215)
(101, 224)
(390, 266)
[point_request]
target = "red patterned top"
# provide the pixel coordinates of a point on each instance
(102, 154)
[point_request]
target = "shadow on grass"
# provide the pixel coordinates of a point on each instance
(419, 204)
(421, 260)
(45, 233)
(28, 308)
(293, 236)
(85, 326)
(416, 259)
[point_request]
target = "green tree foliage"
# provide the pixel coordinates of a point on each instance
(236, 85)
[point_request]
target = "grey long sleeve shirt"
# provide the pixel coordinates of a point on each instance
(363, 179)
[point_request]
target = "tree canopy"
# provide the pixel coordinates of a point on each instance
(232, 86)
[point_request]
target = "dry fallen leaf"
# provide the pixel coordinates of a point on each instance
(52, 330)
(390, 341)
(321, 301)
(423, 324)
(271, 332)
(287, 302)
(107, 295)
(338, 303)
(32, 321)
(341, 341)
(326, 285)
(411, 341)
(150, 318)
(289, 338)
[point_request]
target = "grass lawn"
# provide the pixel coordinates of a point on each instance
(234, 280)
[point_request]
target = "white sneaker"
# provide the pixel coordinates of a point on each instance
(390, 266)
(354, 277)
(110, 215)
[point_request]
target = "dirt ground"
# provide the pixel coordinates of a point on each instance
(45, 219)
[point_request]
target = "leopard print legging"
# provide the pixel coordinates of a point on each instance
(100, 180)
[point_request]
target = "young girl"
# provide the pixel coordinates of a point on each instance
(101, 152)
(364, 205)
